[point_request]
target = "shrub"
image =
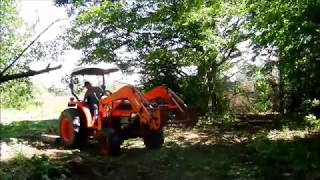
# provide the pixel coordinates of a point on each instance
(17, 94)
(37, 167)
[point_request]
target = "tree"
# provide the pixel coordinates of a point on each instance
(292, 29)
(14, 60)
(163, 37)
(7, 77)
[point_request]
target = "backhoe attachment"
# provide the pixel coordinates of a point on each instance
(179, 112)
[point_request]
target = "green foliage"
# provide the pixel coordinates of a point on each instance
(296, 121)
(10, 37)
(312, 121)
(160, 68)
(37, 167)
(293, 28)
(265, 95)
(311, 106)
(17, 94)
(14, 36)
(297, 158)
(163, 37)
(262, 102)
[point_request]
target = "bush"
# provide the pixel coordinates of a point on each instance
(17, 94)
(297, 158)
(312, 121)
(37, 167)
(311, 107)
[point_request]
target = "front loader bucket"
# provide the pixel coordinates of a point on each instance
(187, 118)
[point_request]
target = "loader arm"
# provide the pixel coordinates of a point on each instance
(152, 117)
(167, 96)
(163, 95)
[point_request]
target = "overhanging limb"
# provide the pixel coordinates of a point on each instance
(6, 78)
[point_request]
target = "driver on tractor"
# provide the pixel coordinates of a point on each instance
(92, 97)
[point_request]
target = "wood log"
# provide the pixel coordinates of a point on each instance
(49, 138)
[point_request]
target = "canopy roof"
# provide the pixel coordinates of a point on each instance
(93, 71)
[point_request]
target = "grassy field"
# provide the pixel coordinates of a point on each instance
(50, 108)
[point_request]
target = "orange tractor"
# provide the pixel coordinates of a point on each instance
(124, 114)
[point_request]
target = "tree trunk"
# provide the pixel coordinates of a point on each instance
(281, 88)
(204, 100)
(212, 80)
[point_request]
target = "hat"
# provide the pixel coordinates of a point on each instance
(86, 83)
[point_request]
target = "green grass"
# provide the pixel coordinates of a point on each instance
(28, 128)
(50, 108)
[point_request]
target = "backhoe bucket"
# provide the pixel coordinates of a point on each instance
(187, 118)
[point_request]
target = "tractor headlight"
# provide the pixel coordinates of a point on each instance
(107, 108)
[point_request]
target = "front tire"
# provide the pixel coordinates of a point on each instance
(154, 140)
(72, 133)
(110, 142)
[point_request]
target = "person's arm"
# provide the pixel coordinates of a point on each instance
(101, 93)
(98, 92)
(85, 96)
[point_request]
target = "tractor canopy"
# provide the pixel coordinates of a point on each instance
(93, 71)
(90, 71)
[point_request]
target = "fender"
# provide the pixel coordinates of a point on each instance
(85, 113)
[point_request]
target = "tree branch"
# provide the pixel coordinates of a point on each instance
(27, 74)
(225, 56)
(26, 48)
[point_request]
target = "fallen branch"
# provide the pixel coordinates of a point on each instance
(6, 78)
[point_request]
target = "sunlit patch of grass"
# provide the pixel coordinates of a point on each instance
(50, 108)
(287, 134)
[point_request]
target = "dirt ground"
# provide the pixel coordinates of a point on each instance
(200, 152)
(183, 148)
(188, 153)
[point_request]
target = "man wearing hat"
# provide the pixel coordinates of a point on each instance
(92, 97)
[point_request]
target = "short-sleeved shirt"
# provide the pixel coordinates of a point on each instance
(93, 95)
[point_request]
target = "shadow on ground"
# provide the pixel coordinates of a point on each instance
(194, 153)
(259, 159)
(298, 158)
(170, 162)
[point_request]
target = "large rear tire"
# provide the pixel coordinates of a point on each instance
(154, 140)
(72, 132)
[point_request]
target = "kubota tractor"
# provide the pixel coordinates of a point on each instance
(124, 114)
